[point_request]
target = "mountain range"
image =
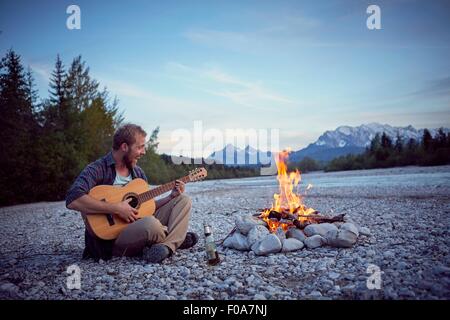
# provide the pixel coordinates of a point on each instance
(353, 140)
(231, 155)
(331, 144)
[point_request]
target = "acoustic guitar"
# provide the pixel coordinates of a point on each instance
(108, 226)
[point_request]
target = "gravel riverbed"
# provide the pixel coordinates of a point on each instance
(407, 211)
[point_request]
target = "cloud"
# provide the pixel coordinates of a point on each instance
(435, 88)
(288, 24)
(150, 99)
(219, 83)
(267, 26)
(225, 39)
(271, 32)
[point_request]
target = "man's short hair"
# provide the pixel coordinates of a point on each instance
(127, 133)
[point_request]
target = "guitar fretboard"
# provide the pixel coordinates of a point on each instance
(153, 193)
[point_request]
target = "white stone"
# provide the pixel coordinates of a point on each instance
(9, 289)
(292, 244)
(280, 234)
(350, 227)
(315, 241)
(315, 294)
(245, 223)
(256, 234)
(365, 231)
(270, 244)
(319, 229)
(296, 233)
(237, 241)
(334, 275)
(341, 238)
(338, 223)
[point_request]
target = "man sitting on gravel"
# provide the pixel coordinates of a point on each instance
(155, 237)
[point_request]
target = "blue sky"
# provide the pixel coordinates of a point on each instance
(302, 67)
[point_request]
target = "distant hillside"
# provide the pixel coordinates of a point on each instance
(353, 140)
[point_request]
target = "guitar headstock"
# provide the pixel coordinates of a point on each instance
(197, 174)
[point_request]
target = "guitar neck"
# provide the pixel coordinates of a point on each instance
(148, 195)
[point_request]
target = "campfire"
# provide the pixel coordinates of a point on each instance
(288, 209)
(289, 225)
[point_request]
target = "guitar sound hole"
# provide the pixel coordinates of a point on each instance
(134, 201)
(110, 219)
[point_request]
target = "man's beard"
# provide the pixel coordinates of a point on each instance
(127, 160)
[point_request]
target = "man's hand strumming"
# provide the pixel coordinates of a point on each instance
(125, 211)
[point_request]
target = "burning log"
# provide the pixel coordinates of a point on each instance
(274, 215)
(314, 216)
(323, 219)
(300, 221)
(301, 224)
(283, 212)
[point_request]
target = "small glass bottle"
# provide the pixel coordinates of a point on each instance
(210, 246)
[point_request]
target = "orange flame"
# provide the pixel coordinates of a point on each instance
(287, 201)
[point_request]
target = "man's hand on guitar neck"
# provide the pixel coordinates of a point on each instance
(177, 189)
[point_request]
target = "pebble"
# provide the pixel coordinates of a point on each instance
(350, 227)
(291, 244)
(334, 275)
(364, 231)
(296, 233)
(319, 229)
(315, 294)
(237, 241)
(315, 241)
(9, 290)
(341, 238)
(270, 244)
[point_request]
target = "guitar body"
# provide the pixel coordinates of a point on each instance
(108, 226)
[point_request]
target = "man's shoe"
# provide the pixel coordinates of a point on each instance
(156, 253)
(190, 240)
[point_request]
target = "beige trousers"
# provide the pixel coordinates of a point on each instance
(168, 226)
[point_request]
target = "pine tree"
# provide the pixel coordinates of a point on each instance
(31, 92)
(375, 143)
(80, 123)
(412, 144)
(386, 142)
(399, 143)
(18, 127)
(57, 89)
(81, 88)
(440, 139)
(427, 140)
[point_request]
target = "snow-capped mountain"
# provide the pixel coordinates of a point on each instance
(362, 135)
(346, 139)
(231, 155)
(331, 144)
